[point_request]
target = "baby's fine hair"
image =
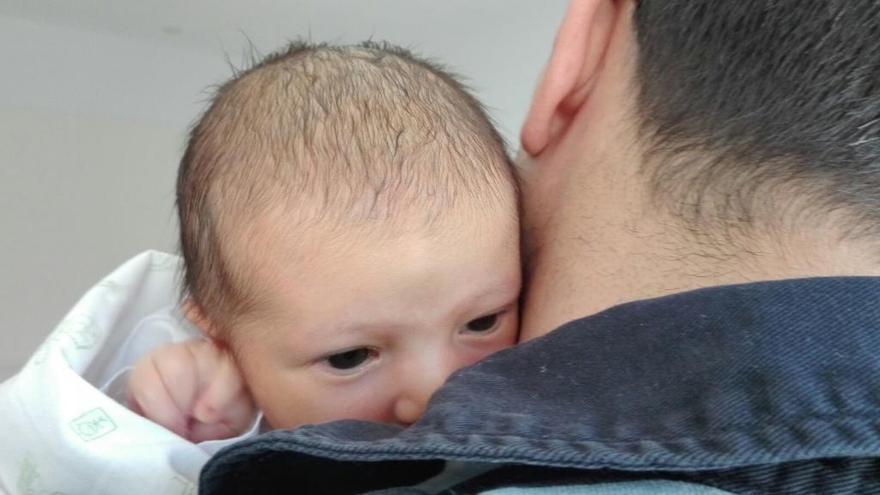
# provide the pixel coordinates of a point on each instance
(339, 135)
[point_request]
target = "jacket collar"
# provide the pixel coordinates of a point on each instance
(716, 378)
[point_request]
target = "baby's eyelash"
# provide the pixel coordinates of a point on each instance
(350, 360)
(487, 323)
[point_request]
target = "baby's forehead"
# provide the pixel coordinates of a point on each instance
(307, 229)
(283, 248)
(362, 275)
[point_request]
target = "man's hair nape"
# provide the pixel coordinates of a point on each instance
(750, 104)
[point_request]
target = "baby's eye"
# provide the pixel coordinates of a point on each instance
(484, 323)
(349, 360)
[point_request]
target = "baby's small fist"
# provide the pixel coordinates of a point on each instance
(194, 389)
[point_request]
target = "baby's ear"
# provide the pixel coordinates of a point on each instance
(194, 313)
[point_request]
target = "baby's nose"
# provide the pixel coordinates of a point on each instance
(407, 411)
(416, 390)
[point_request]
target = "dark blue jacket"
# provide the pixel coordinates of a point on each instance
(768, 387)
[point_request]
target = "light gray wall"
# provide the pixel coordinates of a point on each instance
(96, 97)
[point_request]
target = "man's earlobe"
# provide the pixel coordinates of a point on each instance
(565, 84)
(194, 313)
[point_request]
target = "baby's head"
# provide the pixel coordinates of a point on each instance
(349, 227)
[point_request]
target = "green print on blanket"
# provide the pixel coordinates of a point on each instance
(29, 480)
(92, 425)
(81, 330)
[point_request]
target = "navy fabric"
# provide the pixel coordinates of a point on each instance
(716, 384)
(841, 476)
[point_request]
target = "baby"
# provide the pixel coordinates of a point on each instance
(349, 227)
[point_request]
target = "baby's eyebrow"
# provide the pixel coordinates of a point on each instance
(496, 295)
(366, 326)
(494, 298)
(504, 289)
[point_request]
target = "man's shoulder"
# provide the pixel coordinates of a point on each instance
(739, 388)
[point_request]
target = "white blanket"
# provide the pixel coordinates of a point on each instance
(65, 428)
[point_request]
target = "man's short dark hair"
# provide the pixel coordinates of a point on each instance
(745, 102)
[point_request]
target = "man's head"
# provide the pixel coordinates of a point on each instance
(685, 143)
(349, 228)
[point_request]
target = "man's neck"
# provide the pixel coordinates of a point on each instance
(617, 249)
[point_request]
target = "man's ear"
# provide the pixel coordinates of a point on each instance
(568, 78)
(196, 315)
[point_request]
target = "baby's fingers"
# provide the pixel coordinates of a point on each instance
(236, 418)
(224, 408)
(149, 396)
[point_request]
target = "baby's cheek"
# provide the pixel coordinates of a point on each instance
(365, 401)
(505, 337)
(286, 400)
(316, 403)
